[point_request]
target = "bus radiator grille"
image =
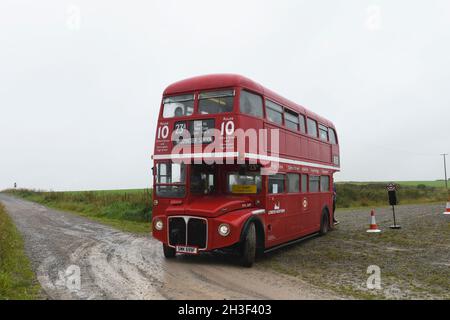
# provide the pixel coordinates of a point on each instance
(177, 232)
(197, 233)
(194, 233)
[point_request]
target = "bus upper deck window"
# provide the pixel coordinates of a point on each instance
(178, 106)
(323, 133)
(216, 102)
(312, 127)
(302, 123)
(274, 112)
(251, 104)
(292, 120)
(332, 136)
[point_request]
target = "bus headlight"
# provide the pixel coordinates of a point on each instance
(159, 225)
(224, 229)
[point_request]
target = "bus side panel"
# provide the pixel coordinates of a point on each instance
(294, 144)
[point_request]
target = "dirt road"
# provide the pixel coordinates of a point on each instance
(117, 265)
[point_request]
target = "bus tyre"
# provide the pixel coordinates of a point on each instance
(248, 249)
(169, 253)
(324, 223)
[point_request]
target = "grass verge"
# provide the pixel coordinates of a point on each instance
(17, 280)
(356, 195)
(127, 210)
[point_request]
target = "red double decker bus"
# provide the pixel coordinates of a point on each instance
(236, 166)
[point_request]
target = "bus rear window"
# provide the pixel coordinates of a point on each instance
(178, 106)
(216, 102)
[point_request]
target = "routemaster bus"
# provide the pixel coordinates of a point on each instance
(237, 166)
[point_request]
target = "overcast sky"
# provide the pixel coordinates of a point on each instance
(81, 81)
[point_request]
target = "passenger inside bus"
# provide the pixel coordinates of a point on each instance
(179, 112)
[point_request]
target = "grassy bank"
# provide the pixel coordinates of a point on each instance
(127, 210)
(351, 195)
(17, 280)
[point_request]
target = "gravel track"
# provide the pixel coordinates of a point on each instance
(118, 265)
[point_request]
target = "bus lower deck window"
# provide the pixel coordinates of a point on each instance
(304, 183)
(244, 184)
(293, 182)
(324, 183)
(276, 184)
(314, 183)
(170, 180)
(202, 180)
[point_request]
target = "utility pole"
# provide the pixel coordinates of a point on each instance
(445, 169)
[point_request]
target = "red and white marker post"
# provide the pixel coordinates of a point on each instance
(447, 208)
(373, 224)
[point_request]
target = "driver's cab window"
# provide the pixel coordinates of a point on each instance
(203, 179)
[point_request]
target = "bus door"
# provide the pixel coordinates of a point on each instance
(311, 205)
(276, 209)
(293, 205)
(306, 219)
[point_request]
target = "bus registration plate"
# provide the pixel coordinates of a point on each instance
(187, 250)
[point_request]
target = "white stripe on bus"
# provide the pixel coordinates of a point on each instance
(247, 155)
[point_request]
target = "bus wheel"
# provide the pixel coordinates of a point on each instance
(248, 247)
(169, 253)
(325, 223)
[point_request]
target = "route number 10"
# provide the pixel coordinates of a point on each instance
(227, 127)
(163, 132)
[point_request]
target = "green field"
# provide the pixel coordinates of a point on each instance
(374, 194)
(435, 184)
(17, 280)
(127, 210)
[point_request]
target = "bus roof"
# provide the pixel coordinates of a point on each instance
(217, 81)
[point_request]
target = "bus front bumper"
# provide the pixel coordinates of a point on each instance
(186, 233)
